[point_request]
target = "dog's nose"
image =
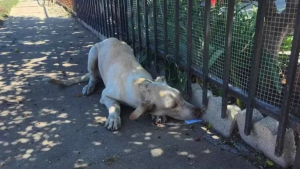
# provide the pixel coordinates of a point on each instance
(198, 112)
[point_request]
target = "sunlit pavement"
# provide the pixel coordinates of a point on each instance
(43, 126)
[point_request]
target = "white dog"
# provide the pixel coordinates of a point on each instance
(128, 83)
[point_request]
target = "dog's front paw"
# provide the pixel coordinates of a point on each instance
(88, 89)
(159, 119)
(113, 122)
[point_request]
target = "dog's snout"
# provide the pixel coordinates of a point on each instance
(198, 112)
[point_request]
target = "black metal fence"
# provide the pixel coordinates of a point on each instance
(247, 49)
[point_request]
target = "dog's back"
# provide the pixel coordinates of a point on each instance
(116, 60)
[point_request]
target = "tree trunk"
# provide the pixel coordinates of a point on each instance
(278, 26)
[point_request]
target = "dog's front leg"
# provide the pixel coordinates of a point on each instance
(113, 121)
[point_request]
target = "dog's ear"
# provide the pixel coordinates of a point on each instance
(161, 79)
(143, 108)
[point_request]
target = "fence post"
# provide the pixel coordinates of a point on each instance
(126, 20)
(176, 39)
(288, 89)
(117, 18)
(132, 27)
(113, 17)
(189, 46)
(165, 18)
(206, 51)
(139, 26)
(255, 64)
(147, 33)
(227, 58)
(155, 35)
(105, 18)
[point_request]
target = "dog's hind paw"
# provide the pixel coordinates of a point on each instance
(113, 123)
(159, 119)
(88, 89)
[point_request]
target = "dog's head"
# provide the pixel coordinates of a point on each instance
(162, 100)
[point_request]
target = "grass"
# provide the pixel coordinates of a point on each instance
(5, 7)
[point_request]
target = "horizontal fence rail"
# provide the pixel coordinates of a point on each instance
(246, 49)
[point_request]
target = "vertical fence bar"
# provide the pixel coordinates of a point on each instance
(105, 18)
(126, 20)
(139, 26)
(87, 12)
(146, 31)
(227, 58)
(77, 9)
(84, 12)
(90, 21)
(165, 17)
(206, 50)
(96, 20)
(132, 26)
(94, 7)
(122, 19)
(176, 32)
(189, 46)
(155, 34)
(255, 64)
(288, 89)
(98, 15)
(108, 18)
(116, 18)
(91, 8)
(113, 17)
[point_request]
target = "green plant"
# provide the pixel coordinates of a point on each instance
(5, 7)
(242, 41)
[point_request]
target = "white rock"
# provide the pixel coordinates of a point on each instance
(213, 116)
(263, 138)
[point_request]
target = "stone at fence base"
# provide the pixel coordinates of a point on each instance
(197, 96)
(196, 86)
(263, 138)
(212, 114)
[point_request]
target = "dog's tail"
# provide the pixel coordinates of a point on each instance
(68, 82)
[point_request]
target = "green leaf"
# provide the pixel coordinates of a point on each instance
(215, 57)
(209, 126)
(270, 71)
(269, 162)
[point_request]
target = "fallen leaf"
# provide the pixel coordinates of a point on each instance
(79, 96)
(269, 162)
(197, 139)
(209, 126)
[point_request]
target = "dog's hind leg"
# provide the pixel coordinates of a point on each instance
(113, 121)
(93, 72)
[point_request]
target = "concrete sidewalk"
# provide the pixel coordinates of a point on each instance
(43, 126)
